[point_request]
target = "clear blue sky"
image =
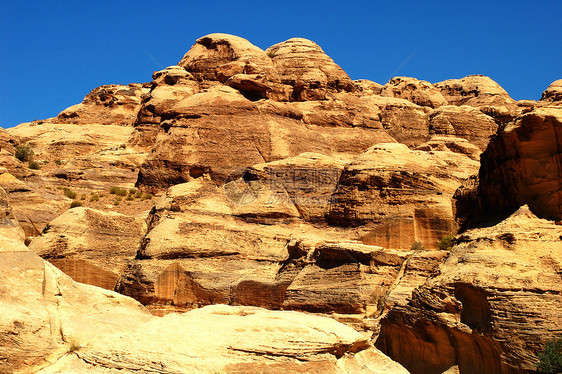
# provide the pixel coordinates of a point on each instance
(54, 52)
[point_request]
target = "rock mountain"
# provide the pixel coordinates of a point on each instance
(252, 211)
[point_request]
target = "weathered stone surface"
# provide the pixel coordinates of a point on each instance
(520, 166)
(451, 143)
(308, 180)
(417, 91)
(464, 122)
(489, 309)
(208, 340)
(205, 246)
(405, 196)
(217, 57)
(220, 131)
(91, 246)
(106, 105)
(553, 94)
(365, 87)
(404, 121)
(10, 231)
(31, 208)
(304, 66)
(62, 141)
(43, 311)
(481, 92)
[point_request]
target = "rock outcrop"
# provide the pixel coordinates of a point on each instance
(553, 94)
(106, 105)
(480, 92)
(91, 246)
(520, 166)
(208, 340)
(489, 308)
(304, 66)
(419, 92)
(464, 122)
(403, 195)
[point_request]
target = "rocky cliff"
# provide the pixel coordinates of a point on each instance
(357, 214)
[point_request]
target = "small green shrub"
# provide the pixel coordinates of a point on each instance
(446, 243)
(117, 201)
(95, 197)
(130, 198)
(83, 196)
(34, 165)
(417, 246)
(69, 193)
(75, 203)
(133, 191)
(73, 346)
(122, 146)
(24, 153)
(146, 196)
(58, 162)
(118, 191)
(270, 54)
(550, 359)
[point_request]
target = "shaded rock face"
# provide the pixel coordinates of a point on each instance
(404, 196)
(112, 104)
(419, 92)
(520, 166)
(89, 245)
(492, 321)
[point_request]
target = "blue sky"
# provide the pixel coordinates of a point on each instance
(54, 52)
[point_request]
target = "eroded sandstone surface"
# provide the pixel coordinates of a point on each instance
(274, 215)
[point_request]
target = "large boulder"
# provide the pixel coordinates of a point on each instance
(490, 307)
(403, 196)
(45, 314)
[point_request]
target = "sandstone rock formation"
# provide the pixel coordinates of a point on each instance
(106, 105)
(89, 245)
(419, 92)
(44, 312)
(404, 195)
(464, 122)
(481, 92)
(303, 65)
(219, 131)
(553, 94)
(490, 307)
(520, 166)
(208, 340)
(282, 184)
